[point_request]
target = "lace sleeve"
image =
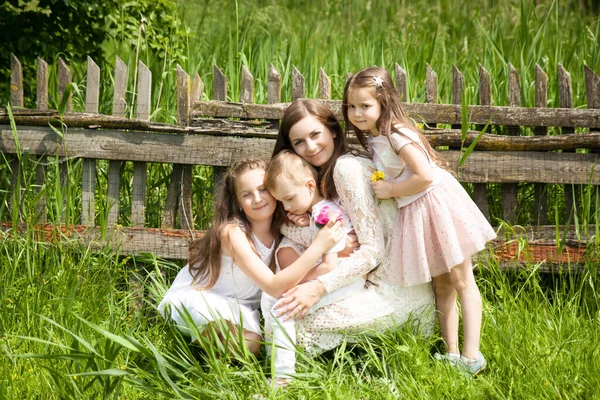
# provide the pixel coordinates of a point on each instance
(303, 235)
(352, 177)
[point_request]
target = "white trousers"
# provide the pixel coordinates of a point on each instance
(283, 346)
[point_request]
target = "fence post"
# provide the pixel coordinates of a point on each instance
(431, 86)
(16, 100)
(247, 86)
(458, 86)
(16, 82)
(298, 89)
(220, 94)
(509, 190)
(592, 86)
(40, 170)
(274, 91)
(138, 190)
(485, 99)
(64, 79)
(565, 94)
(539, 189)
(114, 167)
(401, 83)
(176, 183)
(92, 97)
(324, 85)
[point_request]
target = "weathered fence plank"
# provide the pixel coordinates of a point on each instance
(185, 210)
(197, 90)
(431, 113)
(458, 86)
(539, 189)
(298, 87)
(64, 79)
(173, 243)
(486, 166)
(219, 93)
(431, 86)
(485, 99)
(41, 104)
(565, 94)
(114, 167)
(592, 84)
(219, 84)
(92, 98)
(247, 86)
(16, 82)
(324, 86)
(273, 85)
(401, 83)
(174, 189)
(138, 189)
(509, 190)
(16, 100)
(42, 85)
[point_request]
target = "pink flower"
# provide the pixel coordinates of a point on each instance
(324, 215)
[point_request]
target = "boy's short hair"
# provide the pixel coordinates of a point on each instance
(291, 166)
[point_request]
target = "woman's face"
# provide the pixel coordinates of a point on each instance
(253, 197)
(312, 141)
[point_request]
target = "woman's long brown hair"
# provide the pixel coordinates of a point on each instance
(392, 112)
(205, 253)
(300, 109)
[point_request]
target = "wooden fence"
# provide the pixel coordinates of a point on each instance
(218, 132)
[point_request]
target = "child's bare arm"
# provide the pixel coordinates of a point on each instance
(286, 256)
(317, 271)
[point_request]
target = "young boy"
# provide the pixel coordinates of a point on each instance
(293, 181)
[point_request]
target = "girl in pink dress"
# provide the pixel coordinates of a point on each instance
(438, 227)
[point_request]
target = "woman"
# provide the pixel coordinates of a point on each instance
(310, 129)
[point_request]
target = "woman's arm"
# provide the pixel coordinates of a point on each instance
(235, 244)
(352, 181)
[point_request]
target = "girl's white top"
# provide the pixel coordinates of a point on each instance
(396, 170)
(232, 281)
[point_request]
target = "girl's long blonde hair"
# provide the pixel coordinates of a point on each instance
(204, 258)
(392, 113)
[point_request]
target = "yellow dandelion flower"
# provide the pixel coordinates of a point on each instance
(377, 176)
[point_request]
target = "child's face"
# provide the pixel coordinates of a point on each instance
(252, 195)
(296, 198)
(363, 109)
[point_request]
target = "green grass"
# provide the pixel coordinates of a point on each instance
(68, 331)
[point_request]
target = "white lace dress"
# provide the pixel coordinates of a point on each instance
(234, 297)
(378, 305)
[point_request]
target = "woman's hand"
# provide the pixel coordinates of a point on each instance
(296, 302)
(299, 219)
(352, 245)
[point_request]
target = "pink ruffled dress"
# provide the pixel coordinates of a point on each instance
(435, 229)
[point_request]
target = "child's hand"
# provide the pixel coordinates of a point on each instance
(299, 219)
(330, 234)
(352, 245)
(382, 189)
